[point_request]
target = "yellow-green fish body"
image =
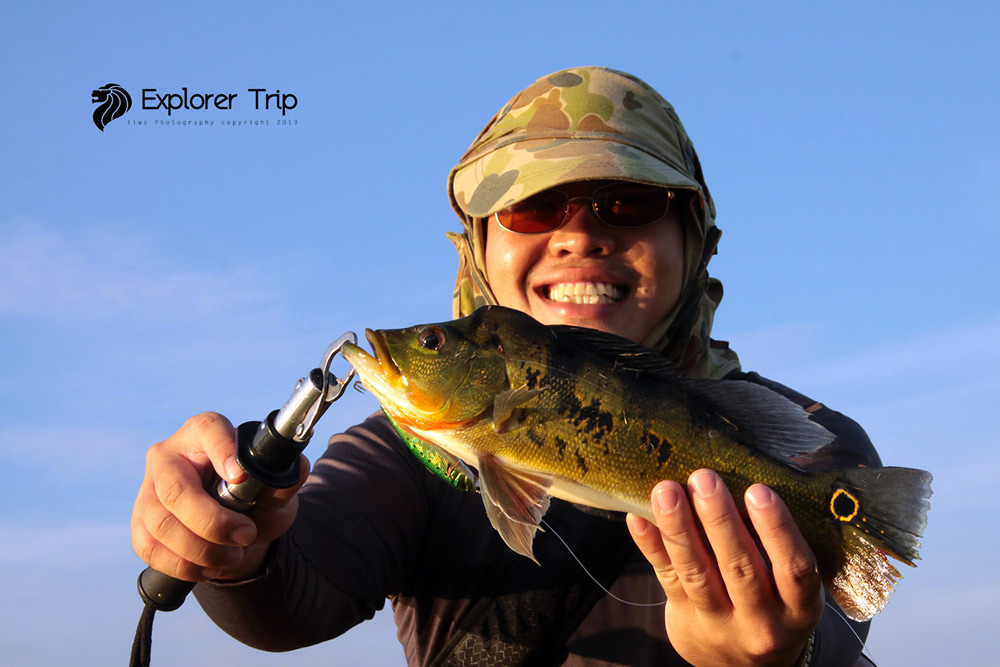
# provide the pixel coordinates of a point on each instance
(592, 418)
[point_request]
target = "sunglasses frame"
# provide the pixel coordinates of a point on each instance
(593, 207)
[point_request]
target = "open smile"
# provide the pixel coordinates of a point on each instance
(584, 293)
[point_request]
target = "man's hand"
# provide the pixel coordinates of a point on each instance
(181, 530)
(724, 605)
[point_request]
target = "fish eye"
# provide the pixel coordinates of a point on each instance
(432, 338)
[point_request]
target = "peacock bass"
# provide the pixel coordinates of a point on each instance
(592, 418)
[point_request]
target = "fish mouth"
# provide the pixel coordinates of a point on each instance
(383, 377)
(377, 371)
(584, 293)
(381, 352)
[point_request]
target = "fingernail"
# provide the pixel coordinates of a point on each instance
(233, 469)
(666, 499)
(211, 573)
(704, 482)
(760, 496)
(243, 535)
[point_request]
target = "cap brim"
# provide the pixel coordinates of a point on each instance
(518, 170)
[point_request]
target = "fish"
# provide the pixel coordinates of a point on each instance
(542, 411)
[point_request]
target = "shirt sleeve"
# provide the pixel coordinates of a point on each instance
(361, 515)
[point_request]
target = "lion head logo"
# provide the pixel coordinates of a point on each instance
(113, 101)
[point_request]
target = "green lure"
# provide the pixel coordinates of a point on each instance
(442, 464)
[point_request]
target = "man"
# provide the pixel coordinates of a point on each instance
(583, 202)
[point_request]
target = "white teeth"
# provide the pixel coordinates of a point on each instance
(585, 293)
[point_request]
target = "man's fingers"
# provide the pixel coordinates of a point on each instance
(180, 553)
(692, 567)
(739, 561)
(793, 563)
(180, 529)
(212, 436)
(178, 488)
(647, 538)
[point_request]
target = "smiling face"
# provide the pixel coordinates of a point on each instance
(622, 281)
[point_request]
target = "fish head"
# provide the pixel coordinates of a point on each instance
(432, 376)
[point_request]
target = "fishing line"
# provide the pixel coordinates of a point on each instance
(592, 577)
(835, 610)
(840, 615)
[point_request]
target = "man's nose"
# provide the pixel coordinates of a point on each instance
(583, 233)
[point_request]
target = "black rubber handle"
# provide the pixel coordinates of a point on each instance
(162, 591)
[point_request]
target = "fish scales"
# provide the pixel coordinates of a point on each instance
(592, 418)
(590, 409)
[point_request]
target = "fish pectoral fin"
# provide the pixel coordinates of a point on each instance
(515, 502)
(506, 404)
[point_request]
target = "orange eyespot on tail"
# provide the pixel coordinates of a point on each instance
(844, 506)
(883, 512)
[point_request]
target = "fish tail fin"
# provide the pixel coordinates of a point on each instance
(882, 512)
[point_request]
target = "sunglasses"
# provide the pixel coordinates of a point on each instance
(619, 205)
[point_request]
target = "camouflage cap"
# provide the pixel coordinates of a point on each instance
(577, 124)
(592, 123)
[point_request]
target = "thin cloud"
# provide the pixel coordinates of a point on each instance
(916, 397)
(92, 542)
(79, 576)
(109, 271)
(74, 452)
(776, 347)
(953, 354)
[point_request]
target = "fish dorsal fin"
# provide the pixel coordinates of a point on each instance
(624, 353)
(764, 418)
(506, 404)
(515, 502)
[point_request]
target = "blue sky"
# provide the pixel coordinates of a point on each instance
(148, 273)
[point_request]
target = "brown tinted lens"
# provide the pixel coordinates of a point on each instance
(542, 212)
(631, 205)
